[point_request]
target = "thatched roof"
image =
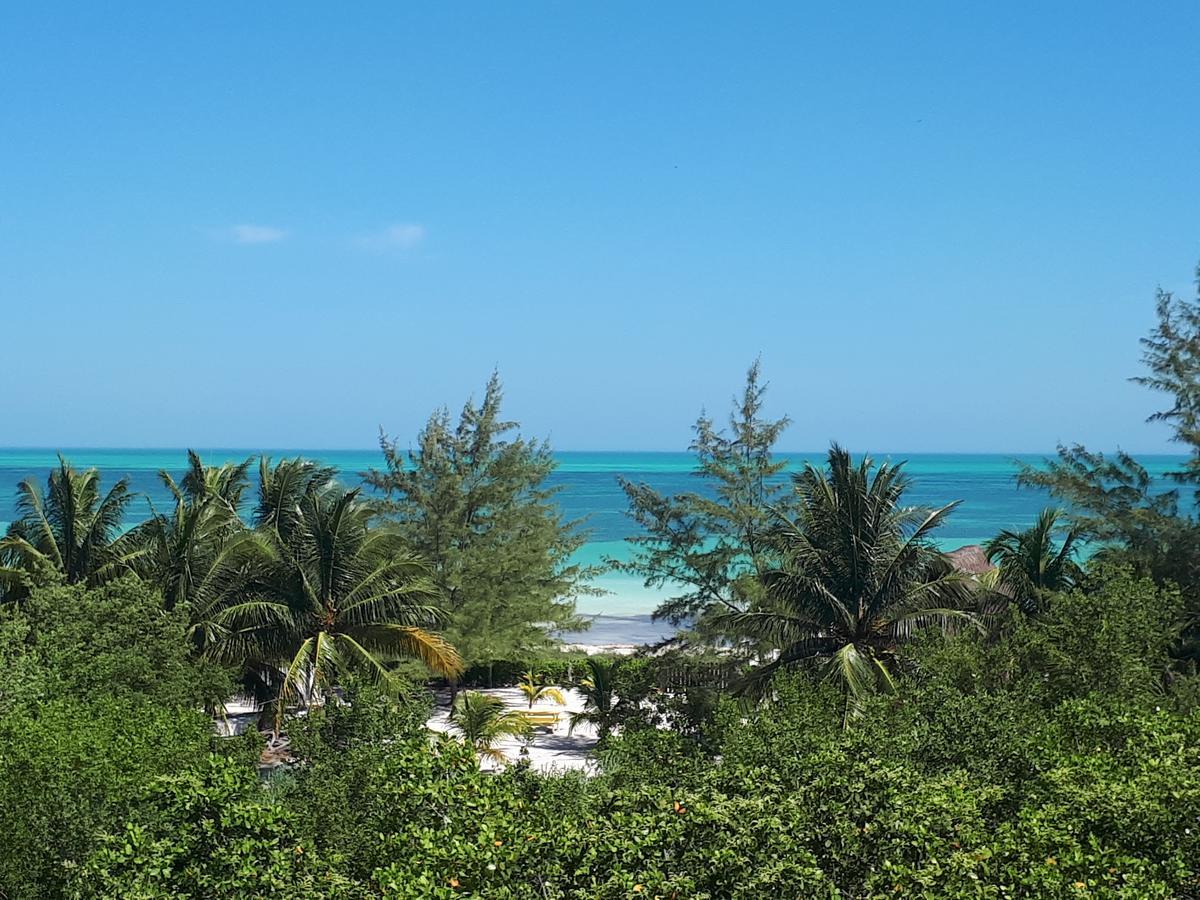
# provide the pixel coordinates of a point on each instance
(970, 560)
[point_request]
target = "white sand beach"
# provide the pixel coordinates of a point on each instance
(548, 749)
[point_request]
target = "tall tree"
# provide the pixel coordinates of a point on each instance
(1171, 353)
(73, 528)
(857, 575)
(336, 596)
(474, 499)
(710, 545)
(1114, 500)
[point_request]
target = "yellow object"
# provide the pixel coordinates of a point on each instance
(540, 718)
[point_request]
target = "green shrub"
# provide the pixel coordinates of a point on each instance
(364, 715)
(210, 832)
(561, 669)
(70, 769)
(115, 640)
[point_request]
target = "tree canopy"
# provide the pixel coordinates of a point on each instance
(857, 574)
(709, 546)
(335, 597)
(72, 528)
(475, 500)
(1114, 501)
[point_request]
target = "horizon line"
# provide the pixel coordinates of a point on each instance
(64, 449)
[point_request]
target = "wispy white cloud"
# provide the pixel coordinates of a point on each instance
(255, 234)
(401, 236)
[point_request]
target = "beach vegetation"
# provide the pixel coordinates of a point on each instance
(191, 552)
(483, 720)
(210, 831)
(1032, 564)
(111, 640)
(601, 704)
(100, 695)
(335, 598)
(473, 499)
(709, 546)
(1112, 499)
(536, 688)
(72, 528)
(857, 573)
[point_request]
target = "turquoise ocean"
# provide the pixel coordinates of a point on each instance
(588, 490)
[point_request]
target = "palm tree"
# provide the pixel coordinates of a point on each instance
(599, 696)
(535, 689)
(334, 596)
(192, 553)
(857, 575)
(72, 528)
(1029, 566)
(281, 489)
(483, 720)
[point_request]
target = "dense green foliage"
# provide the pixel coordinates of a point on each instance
(100, 696)
(1049, 761)
(210, 832)
(1030, 564)
(115, 640)
(472, 500)
(333, 597)
(70, 768)
(308, 592)
(856, 574)
(981, 778)
(1020, 786)
(1053, 753)
(70, 528)
(190, 552)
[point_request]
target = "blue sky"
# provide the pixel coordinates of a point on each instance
(941, 225)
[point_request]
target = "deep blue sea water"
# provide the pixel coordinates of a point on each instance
(985, 483)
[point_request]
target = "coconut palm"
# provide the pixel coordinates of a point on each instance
(535, 689)
(73, 527)
(599, 697)
(857, 575)
(1029, 567)
(483, 720)
(193, 553)
(334, 596)
(282, 487)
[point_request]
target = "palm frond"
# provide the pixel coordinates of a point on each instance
(404, 641)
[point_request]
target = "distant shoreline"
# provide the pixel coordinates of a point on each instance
(610, 633)
(588, 491)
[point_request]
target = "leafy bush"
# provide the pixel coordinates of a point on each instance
(364, 715)
(1044, 761)
(70, 769)
(210, 832)
(554, 668)
(114, 640)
